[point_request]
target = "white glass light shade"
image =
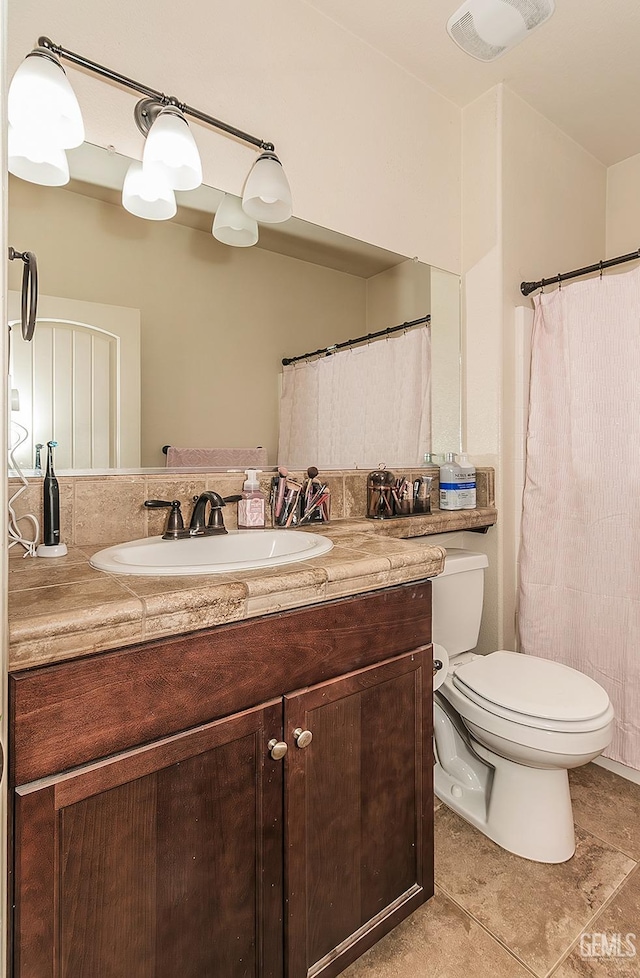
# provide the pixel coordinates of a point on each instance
(36, 160)
(43, 103)
(232, 226)
(147, 195)
(171, 150)
(267, 195)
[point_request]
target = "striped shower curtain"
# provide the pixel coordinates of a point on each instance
(580, 554)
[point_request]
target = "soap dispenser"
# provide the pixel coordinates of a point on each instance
(251, 507)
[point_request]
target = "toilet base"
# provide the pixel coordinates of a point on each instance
(523, 809)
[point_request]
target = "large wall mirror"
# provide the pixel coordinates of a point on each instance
(173, 338)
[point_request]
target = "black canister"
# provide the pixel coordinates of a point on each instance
(380, 485)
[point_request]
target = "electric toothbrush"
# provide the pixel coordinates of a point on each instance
(52, 547)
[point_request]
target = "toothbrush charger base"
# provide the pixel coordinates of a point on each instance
(54, 550)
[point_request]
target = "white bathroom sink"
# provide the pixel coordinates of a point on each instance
(237, 550)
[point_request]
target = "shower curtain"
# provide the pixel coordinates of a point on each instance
(359, 407)
(580, 550)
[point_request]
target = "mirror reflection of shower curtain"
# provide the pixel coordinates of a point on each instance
(360, 406)
(580, 552)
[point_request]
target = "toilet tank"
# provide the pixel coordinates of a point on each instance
(457, 601)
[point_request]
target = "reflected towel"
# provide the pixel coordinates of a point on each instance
(228, 458)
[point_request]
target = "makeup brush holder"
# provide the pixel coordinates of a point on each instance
(315, 503)
(299, 503)
(388, 497)
(380, 502)
(285, 502)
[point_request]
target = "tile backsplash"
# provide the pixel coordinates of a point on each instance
(106, 509)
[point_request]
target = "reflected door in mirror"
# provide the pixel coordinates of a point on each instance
(78, 385)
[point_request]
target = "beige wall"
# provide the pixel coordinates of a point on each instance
(215, 321)
(623, 207)
(534, 203)
(398, 295)
(482, 334)
(446, 381)
(369, 150)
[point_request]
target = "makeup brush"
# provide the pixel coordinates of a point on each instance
(283, 472)
(310, 487)
(291, 497)
(320, 500)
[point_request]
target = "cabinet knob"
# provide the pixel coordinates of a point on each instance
(303, 737)
(277, 749)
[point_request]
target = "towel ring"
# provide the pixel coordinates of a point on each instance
(29, 299)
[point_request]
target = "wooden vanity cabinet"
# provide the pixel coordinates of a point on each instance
(359, 811)
(161, 861)
(199, 853)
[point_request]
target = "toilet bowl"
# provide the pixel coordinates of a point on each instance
(508, 727)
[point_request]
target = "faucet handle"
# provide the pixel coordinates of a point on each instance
(175, 524)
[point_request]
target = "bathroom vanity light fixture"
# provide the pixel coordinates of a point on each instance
(232, 225)
(147, 195)
(267, 196)
(45, 120)
(170, 151)
(42, 100)
(36, 160)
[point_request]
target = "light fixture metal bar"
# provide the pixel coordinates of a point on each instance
(152, 93)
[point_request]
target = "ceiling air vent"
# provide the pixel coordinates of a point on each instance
(486, 29)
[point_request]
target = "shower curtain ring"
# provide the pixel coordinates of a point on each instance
(600, 269)
(559, 281)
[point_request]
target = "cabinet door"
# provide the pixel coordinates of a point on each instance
(358, 809)
(163, 861)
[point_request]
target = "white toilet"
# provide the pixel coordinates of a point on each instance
(507, 726)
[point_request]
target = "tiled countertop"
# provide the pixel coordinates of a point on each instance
(62, 608)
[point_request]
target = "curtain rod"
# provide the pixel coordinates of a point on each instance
(528, 287)
(360, 339)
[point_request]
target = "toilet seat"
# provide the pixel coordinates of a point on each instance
(533, 692)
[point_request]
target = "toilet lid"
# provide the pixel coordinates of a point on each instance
(532, 686)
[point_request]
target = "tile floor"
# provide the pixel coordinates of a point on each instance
(495, 915)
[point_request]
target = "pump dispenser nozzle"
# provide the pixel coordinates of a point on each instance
(252, 481)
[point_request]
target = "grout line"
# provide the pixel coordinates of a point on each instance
(575, 941)
(485, 928)
(592, 920)
(74, 509)
(612, 845)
